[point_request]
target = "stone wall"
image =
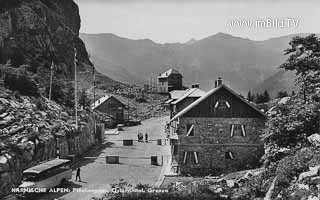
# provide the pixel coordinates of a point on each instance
(45, 147)
(212, 140)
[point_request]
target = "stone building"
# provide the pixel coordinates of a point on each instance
(111, 106)
(169, 80)
(217, 133)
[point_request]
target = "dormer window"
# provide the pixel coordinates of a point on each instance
(222, 104)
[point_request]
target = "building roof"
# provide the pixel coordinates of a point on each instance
(169, 101)
(192, 92)
(102, 100)
(168, 73)
(176, 94)
(208, 94)
(46, 166)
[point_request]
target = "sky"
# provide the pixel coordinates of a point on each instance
(170, 21)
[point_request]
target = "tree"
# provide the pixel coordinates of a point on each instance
(250, 97)
(261, 97)
(304, 59)
(282, 94)
(290, 126)
(266, 96)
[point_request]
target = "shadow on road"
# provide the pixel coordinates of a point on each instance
(93, 154)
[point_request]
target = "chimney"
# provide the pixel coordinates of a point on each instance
(195, 85)
(218, 82)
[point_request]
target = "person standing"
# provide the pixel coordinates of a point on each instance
(78, 174)
(146, 137)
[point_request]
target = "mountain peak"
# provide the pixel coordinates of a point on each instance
(221, 34)
(191, 41)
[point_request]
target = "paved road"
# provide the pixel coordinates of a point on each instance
(134, 164)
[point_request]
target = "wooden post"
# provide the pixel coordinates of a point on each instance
(94, 98)
(51, 76)
(75, 87)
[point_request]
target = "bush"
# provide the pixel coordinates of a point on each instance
(289, 128)
(291, 166)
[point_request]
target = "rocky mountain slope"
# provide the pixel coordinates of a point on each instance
(40, 32)
(243, 63)
(33, 129)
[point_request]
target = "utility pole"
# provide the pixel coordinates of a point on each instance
(75, 87)
(94, 95)
(128, 106)
(51, 76)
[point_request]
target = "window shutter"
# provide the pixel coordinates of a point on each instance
(185, 157)
(190, 130)
(227, 104)
(232, 130)
(231, 155)
(243, 130)
(196, 157)
(216, 105)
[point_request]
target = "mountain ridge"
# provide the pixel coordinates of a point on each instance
(244, 63)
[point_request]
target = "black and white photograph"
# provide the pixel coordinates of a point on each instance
(159, 99)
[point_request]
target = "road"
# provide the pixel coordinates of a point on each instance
(135, 164)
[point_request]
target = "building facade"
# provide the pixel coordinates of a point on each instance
(112, 107)
(169, 81)
(217, 133)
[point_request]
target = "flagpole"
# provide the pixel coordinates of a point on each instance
(75, 87)
(51, 75)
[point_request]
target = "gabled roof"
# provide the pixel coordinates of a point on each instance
(168, 73)
(102, 100)
(208, 94)
(192, 92)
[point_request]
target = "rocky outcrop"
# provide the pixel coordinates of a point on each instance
(38, 32)
(33, 130)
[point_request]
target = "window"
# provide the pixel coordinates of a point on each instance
(190, 130)
(185, 154)
(175, 149)
(196, 161)
(222, 104)
(192, 157)
(237, 130)
(229, 155)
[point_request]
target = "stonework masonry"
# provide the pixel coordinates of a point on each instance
(213, 143)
